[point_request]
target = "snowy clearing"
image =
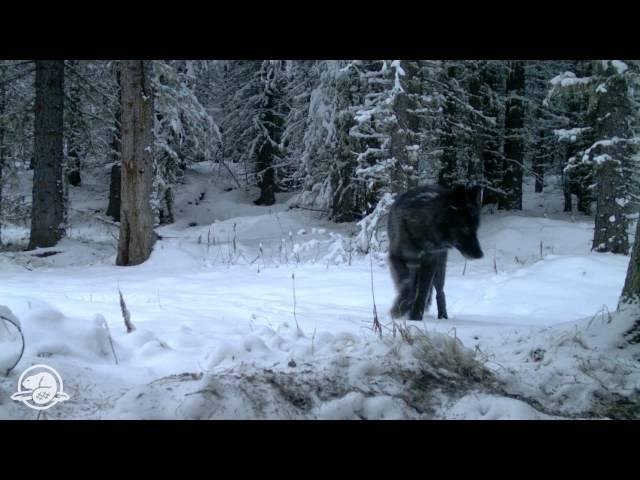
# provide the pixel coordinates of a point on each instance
(259, 312)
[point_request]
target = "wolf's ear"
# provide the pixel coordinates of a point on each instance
(474, 195)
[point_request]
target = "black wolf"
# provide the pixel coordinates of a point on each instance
(423, 224)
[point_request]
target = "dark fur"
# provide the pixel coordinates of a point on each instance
(423, 224)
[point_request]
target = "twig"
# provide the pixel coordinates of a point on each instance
(293, 279)
(312, 340)
(235, 247)
(21, 338)
(18, 76)
(376, 323)
(125, 314)
(113, 350)
(297, 207)
(222, 162)
(109, 222)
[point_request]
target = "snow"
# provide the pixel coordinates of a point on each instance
(568, 79)
(397, 86)
(569, 134)
(600, 159)
(217, 334)
(10, 342)
(492, 407)
(620, 66)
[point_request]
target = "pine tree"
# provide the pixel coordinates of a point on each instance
(405, 123)
(611, 156)
(569, 97)
(115, 150)
(345, 90)
(386, 160)
(387, 129)
(302, 76)
(48, 211)
(17, 93)
(328, 161)
(253, 110)
(606, 107)
(75, 130)
(542, 121)
(270, 125)
(91, 131)
(457, 133)
(184, 130)
(493, 76)
(514, 147)
(3, 128)
(137, 236)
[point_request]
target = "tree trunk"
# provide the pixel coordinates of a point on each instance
(48, 209)
(453, 159)
(478, 141)
(3, 105)
(116, 139)
(73, 132)
(539, 160)
(610, 233)
(403, 135)
(491, 85)
(266, 150)
(113, 210)
(342, 171)
(630, 297)
(343, 203)
(166, 214)
(136, 216)
(448, 174)
(514, 139)
(631, 289)
(264, 165)
(612, 160)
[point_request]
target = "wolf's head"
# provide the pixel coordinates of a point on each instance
(463, 219)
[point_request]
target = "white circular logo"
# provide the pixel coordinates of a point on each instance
(40, 388)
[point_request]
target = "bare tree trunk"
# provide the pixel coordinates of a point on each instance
(48, 209)
(514, 139)
(540, 159)
(492, 138)
(341, 174)
(631, 289)
(136, 216)
(113, 208)
(612, 158)
(74, 126)
(453, 162)
(610, 232)
(473, 86)
(403, 135)
(267, 152)
(115, 187)
(264, 164)
(630, 297)
(3, 104)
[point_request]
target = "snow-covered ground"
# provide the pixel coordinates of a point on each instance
(265, 312)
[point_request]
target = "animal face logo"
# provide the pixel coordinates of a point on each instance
(40, 387)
